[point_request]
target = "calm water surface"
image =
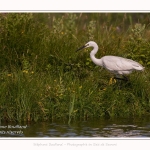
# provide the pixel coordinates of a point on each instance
(139, 127)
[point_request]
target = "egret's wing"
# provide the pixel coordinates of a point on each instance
(114, 63)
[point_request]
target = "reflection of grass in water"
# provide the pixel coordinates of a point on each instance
(43, 78)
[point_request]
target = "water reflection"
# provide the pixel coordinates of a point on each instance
(90, 128)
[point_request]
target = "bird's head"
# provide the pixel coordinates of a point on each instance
(89, 44)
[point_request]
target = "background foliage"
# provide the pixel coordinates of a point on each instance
(43, 78)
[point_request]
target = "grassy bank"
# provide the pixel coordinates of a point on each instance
(43, 78)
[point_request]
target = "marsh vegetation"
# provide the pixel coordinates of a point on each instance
(43, 78)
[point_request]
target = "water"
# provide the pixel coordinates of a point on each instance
(139, 127)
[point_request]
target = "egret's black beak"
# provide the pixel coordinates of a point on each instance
(81, 48)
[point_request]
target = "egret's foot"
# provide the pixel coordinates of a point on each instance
(112, 81)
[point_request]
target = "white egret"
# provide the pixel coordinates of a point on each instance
(117, 65)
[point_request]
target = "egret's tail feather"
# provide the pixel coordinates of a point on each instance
(140, 68)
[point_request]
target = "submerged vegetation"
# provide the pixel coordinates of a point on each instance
(43, 78)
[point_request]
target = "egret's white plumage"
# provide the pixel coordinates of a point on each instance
(114, 64)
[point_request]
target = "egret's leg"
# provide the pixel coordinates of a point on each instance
(124, 78)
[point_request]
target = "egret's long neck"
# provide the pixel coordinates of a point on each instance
(94, 59)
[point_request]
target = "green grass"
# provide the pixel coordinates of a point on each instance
(43, 78)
